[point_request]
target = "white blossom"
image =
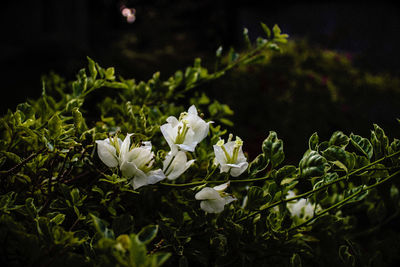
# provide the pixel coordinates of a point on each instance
(108, 150)
(230, 156)
(137, 163)
(175, 164)
(184, 134)
(301, 208)
(214, 199)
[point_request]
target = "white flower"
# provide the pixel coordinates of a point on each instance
(301, 208)
(214, 199)
(230, 156)
(108, 150)
(175, 164)
(185, 133)
(137, 162)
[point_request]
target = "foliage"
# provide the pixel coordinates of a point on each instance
(61, 205)
(302, 83)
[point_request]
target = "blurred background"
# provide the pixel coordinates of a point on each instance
(340, 73)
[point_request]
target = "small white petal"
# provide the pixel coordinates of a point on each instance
(219, 155)
(187, 147)
(213, 206)
(224, 168)
(229, 199)
(222, 187)
(169, 134)
(178, 166)
(128, 169)
(241, 167)
(139, 180)
(107, 153)
(173, 121)
(192, 110)
(155, 176)
(124, 148)
(207, 193)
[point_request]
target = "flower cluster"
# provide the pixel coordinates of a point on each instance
(136, 162)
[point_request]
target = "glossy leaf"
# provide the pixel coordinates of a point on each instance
(313, 165)
(362, 144)
(272, 148)
(147, 234)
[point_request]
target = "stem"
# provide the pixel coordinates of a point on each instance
(23, 162)
(211, 173)
(306, 194)
(342, 202)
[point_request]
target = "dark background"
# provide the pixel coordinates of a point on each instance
(43, 35)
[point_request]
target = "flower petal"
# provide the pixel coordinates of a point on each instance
(139, 180)
(178, 166)
(107, 153)
(155, 176)
(207, 193)
(169, 134)
(173, 121)
(124, 148)
(229, 199)
(219, 155)
(222, 187)
(241, 167)
(192, 110)
(213, 206)
(128, 169)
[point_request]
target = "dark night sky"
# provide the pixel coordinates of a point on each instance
(43, 35)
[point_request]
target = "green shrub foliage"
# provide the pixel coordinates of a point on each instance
(312, 89)
(64, 203)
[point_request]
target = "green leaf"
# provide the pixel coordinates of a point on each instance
(160, 258)
(109, 74)
(339, 139)
(295, 260)
(345, 255)
(92, 68)
(276, 30)
(339, 157)
(313, 165)
(58, 219)
(362, 144)
(101, 227)
(326, 179)
(258, 164)
(285, 172)
(380, 142)
(232, 56)
(360, 161)
(78, 118)
(147, 234)
(313, 142)
(31, 208)
(272, 148)
(75, 195)
(255, 197)
(266, 30)
(11, 156)
(246, 38)
(55, 126)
